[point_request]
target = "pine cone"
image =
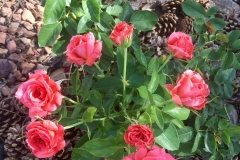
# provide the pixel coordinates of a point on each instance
(232, 21)
(173, 7)
(167, 24)
(186, 25)
(9, 116)
(23, 110)
(204, 3)
(15, 145)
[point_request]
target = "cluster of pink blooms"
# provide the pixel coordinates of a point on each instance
(41, 95)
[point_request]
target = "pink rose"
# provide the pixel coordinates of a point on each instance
(139, 136)
(181, 45)
(120, 32)
(84, 49)
(190, 90)
(45, 138)
(40, 94)
(155, 153)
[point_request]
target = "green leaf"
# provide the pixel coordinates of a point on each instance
(233, 130)
(75, 81)
(143, 92)
(236, 45)
(108, 84)
(193, 9)
(225, 137)
(144, 118)
(60, 47)
(157, 116)
(49, 33)
(84, 24)
(86, 83)
(227, 60)
(70, 25)
(217, 23)
(80, 154)
(89, 113)
(222, 37)
(154, 82)
(126, 13)
(233, 36)
(168, 139)
(53, 11)
(185, 134)
(136, 80)
(114, 10)
(144, 20)
(102, 147)
(228, 90)
(209, 142)
(107, 45)
(212, 11)
(91, 9)
(222, 124)
(196, 142)
(108, 104)
(140, 57)
(224, 76)
(181, 113)
(106, 22)
(95, 98)
(201, 41)
(216, 55)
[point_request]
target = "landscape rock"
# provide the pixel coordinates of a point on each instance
(6, 90)
(13, 27)
(26, 40)
(28, 25)
(3, 37)
(11, 46)
(6, 11)
(3, 51)
(24, 32)
(28, 16)
(2, 20)
(15, 57)
(27, 67)
(17, 17)
(3, 28)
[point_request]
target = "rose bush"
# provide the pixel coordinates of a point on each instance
(181, 45)
(190, 90)
(40, 94)
(45, 138)
(154, 153)
(122, 32)
(83, 49)
(139, 136)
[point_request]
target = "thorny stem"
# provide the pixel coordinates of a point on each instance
(124, 76)
(70, 100)
(99, 69)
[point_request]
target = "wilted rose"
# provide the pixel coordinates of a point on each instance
(45, 138)
(181, 45)
(139, 136)
(40, 94)
(83, 49)
(190, 90)
(155, 153)
(122, 32)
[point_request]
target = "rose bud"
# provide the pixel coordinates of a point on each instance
(190, 90)
(83, 49)
(40, 94)
(122, 34)
(181, 45)
(139, 136)
(45, 138)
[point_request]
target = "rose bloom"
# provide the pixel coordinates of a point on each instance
(190, 90)
(45, 138)
(83, 49)
(181, 45)
(139, 136)
(40, 94)
(155, 153)
(120, 32)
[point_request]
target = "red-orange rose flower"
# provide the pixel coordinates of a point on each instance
(139, 136)
(181, 45)
(122, 32)
(40, 94)
(155, 153)
(83, 49)
(45, 138)
(190, 90)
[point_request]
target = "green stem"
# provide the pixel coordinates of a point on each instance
(70, 100)
(99, 69)
(165, 62)
(124, 77)
(165, 102)
(73, 125)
